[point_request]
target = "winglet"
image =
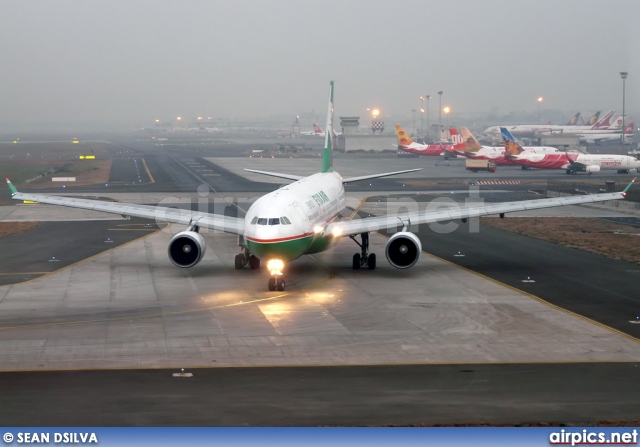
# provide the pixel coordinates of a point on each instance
(12, 188)
(624, 191)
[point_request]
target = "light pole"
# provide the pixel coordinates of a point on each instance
(623, 75)
(428, 97)
(413, 114)
(440, 108)
(539, 102)
(422, 115)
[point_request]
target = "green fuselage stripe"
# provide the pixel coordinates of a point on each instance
(283, 250)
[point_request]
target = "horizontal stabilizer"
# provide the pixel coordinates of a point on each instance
(277, 174)
(368, 177)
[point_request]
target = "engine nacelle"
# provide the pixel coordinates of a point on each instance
(403, 250)
(186, 249)
(592, 168)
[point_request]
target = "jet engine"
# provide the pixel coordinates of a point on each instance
(592, 168)
(403, 250)
(186, 249)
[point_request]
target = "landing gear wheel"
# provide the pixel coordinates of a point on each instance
(568, 171)
(356, 261)
(280, 284)
(364, 258)
(239, 261)
(272, 284)
(371, 261)
(254, 263)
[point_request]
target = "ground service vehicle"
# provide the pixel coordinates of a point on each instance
(480, 165)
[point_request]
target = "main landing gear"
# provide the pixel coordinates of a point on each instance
(364, 258)
(246, 259)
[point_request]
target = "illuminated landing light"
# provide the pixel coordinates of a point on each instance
(336, 232)
(318, 229)
(275, 267)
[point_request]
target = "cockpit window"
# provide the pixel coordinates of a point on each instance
(274, 221)
(285, 220)
(262, 221)
(254, 220)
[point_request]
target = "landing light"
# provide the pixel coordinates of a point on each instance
(318, 229)
(336, 232)
(275, 267)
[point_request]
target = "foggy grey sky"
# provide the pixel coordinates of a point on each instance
(72, 61)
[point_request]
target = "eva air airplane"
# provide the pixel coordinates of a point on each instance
(304, 218)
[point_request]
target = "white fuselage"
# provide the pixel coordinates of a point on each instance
(564, 161)
(289, 222)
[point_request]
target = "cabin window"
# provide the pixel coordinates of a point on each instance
(274, 221)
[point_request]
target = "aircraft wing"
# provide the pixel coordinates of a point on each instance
(277, 174)
(452, 212)
(206, 220)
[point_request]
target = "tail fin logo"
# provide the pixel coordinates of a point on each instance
(457, 139)
(402, 138)
(511, 147)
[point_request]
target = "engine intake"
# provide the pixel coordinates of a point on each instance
(186, 249)
(403, 250)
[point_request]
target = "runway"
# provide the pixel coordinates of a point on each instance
(432, 344)
(512, 394)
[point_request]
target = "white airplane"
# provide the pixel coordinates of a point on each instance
(527, 130)
(469, 147)
(599, 128)
(405, 143)
(316, 132)
(302, 218)
(572, 163)
(595, 138)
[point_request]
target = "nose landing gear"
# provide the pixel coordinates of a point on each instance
(276, 283)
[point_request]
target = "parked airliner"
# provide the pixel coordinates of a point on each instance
(528, 130)
(406, 144)
(571, 162)
(471, 148)
(316, 132)
(302, 218)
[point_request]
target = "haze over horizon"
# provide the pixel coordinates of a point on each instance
(73, 61)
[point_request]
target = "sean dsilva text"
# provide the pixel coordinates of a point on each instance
(57, 438)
